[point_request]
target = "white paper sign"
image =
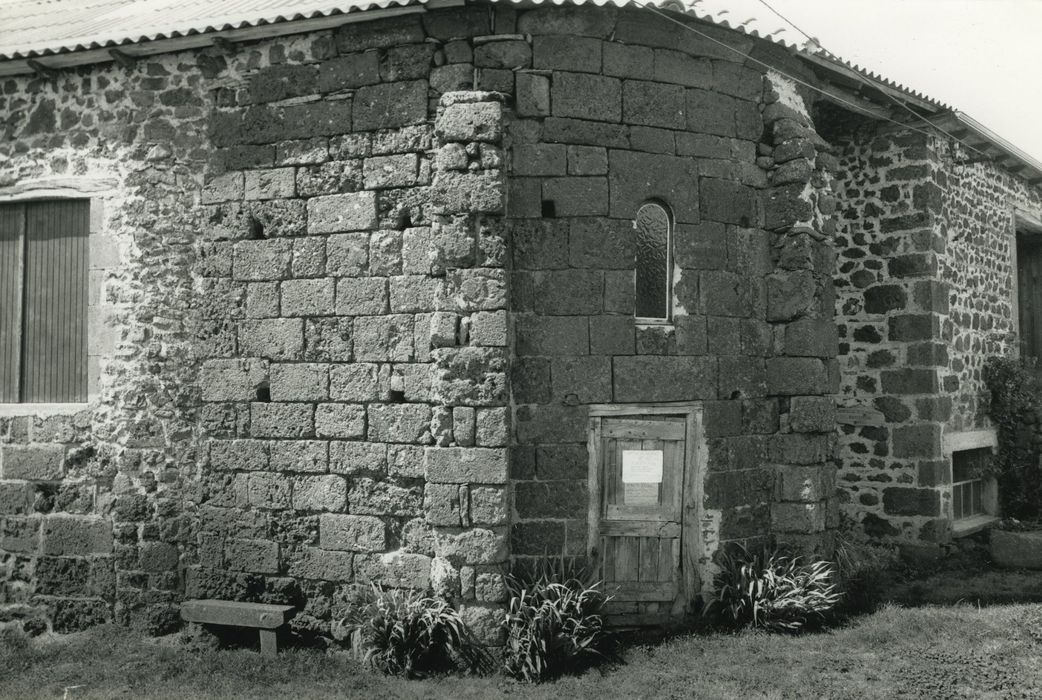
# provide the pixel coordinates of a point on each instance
(642, 466)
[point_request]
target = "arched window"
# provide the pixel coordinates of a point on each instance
(654, 262)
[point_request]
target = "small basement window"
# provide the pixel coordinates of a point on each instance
(654, 263)
(967, 482)
(974, 495)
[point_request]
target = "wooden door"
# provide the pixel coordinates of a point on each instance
(639, 519)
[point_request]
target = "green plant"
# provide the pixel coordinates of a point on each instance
(861, 573)
(409, 634)
(1016, 408)
(554, 626)
(773, 590)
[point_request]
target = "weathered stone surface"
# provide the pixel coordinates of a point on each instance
(354, 211)
(470, 376)
(70, 535)
(655, 378)
(473, 546)
(372, 497)
(637, 177)
(325, 493)
(395, 569)
(299, 382)
(353, 533)
(32, 462)
(238, 455)
(270, 491)
(788, 376)
(407, 423)
(812, 414)
(274, 338)
(314, 563)
(390, 105)
(458, 465)
(256, 556)
(340, 420)
(282, 420)
(464, 122)
(899, 500)
(357, 457)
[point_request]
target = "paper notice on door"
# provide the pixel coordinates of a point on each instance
(642, 466)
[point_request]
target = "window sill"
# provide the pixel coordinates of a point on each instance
(969, 526)
(42, 410)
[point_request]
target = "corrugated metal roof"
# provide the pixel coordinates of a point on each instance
(34, 28)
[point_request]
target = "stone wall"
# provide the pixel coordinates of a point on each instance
(614, 109)
(353, 342)
(923, 298)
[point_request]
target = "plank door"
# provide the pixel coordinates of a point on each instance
(640, 520)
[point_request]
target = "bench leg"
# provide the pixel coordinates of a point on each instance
(269, 643)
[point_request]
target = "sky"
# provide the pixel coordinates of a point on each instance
(982, 57)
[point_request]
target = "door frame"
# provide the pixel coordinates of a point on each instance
(695, 457)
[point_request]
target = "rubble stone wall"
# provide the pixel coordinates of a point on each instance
(924, 296)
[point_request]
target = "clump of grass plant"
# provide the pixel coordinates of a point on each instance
(775, 591)
(554, 625)
(407, 633)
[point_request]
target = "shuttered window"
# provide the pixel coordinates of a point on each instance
(43, 301)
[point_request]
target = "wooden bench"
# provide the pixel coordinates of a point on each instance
(266, 618)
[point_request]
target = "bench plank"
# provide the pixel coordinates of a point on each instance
(229, 612)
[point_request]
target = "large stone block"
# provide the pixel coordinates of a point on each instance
(469, 121)
(34, 462)
(335, 213)
(548, 424)
(479, 192)
(790, 376)
(328, 339)
(75, 535)
(477, 289)
(272, 492)
(811, 337)
(807, 484)
(923, 440)
(340, 420)
(738, 489)
(742, 375)
(473, 546)
(799, 448)
(299, 455)
(570, 21)
(790, 295)
(586, 96)
(637, 177)
(653, 104)
(710, 112)
(384, 338)
(534, 500)
(275, 183)
(320, 493)
(358, 381)
(400, 423)
(729, 202)
(307, 297)
(470, 376)
(390, 105)
(909, 381)
(730, 294)
(282, 420)
(383, 172)
(898, 500)
(318, 564)
(262, 259)
(272, 338)
(299, 382)
(238, 455)
(353, 533)
(812, 414)
(254, 556)
(462, 465)
(798, 517)
(394, 570)
(660, 378)
(370, 497)
(581, 379)
(16, 498)
(357, 457)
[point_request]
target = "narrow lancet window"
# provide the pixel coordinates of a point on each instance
(654, 263)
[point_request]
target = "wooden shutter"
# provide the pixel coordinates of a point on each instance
(54, 343)
(12, 247)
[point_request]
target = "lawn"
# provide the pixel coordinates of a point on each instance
(927, 652)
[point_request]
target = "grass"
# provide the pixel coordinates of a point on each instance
(927, 652)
